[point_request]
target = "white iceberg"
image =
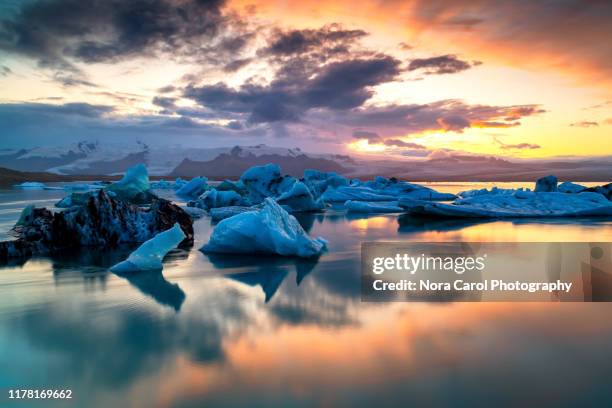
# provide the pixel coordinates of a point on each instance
(194, 188)
(269, 230)
(214, 199)
(265, 181)
(31, 185)
(521, 204)
(299, 199)
(372, 207)
(150, 254)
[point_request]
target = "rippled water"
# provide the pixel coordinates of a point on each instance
(256, 331)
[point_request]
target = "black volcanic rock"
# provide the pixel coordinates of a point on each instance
(234, 163)
(102, 222)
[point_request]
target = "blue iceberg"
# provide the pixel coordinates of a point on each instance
(150, 254)
(299, 199)
(265, 181)
(372, 207)
(269, 230)
(133, 187)
(194, 188)
(215, 199)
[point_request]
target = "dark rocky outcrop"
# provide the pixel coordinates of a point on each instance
(101, 222)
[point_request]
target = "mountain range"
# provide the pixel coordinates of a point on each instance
(89, 158)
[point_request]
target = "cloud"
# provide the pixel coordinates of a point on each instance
(454, 123)
(444, 64)
(4, 70)
(337, 86)
(328, 40)
(401, 143)
(584, 124)
(443, 116)
(371, 137)
(608, 121)
(58, 32)
(518, 146)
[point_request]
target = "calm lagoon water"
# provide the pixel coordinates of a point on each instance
(257, 331)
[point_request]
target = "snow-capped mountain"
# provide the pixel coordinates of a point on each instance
(95, 158)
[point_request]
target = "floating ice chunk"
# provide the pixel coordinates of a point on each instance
(31, 185)
(427, 194)
(522, 204)
(546, 184)
(214, 199)
(221, 213)
(318, 181)
(150, 254)
(569, 187)
(346, 193)
(265, 181)
(228, 185)
(269, 230)
(372, 207)
(299, 199)
(134, 186)
(194, 188)
(605, 190)
(162, 185)
(494, 190)
(178, 183)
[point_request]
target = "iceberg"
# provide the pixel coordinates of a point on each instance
(269, 230)
(318, 181)
(228, 185)
(162, 185)
(150, 254)
(569, 187)
(373, 207)
(265, 181)
(299, 199)
(346, 193)
(194, 188)
(221, 213)
(605, 190)
(102, 222)
(214, 199)
(521, 204)
(546, 184)
(31, 185)
(134, 186)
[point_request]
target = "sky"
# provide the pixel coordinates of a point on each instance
(411, 79)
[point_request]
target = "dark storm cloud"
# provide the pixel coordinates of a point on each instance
(585, 124)
(371, 137)
(54, 32)
(337, 86)
(330, 39)
(444, 64)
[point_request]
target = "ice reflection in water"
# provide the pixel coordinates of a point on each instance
(285, 332)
